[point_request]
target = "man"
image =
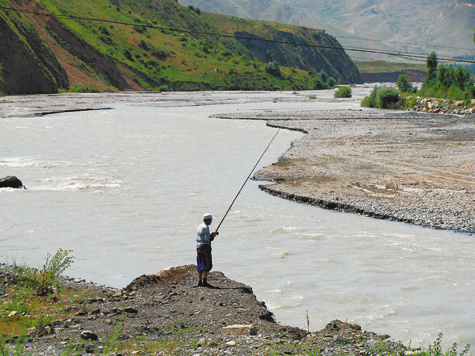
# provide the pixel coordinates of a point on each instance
(203, 248)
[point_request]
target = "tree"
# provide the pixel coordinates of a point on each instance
(431, 65)
(404, 84)
(462, 78)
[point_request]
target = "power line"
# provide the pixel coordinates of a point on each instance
(407, 55)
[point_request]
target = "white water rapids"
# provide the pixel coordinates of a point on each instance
(126, 188)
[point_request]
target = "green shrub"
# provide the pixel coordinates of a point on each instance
(273, 69)
(319, 83)
(436, 350)
(455, 92)
(387, 98)
(144, 45)
(404, 84)
(45, 281)
(383, 98)
(140, 29)
(343, 92)
(410, 102)
(128, 55)
(370, 101)
(81, 88)
(331, 82)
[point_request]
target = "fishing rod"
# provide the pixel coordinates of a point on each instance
(249, 176)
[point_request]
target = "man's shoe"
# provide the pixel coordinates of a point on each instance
(207, 285)
(200, 284)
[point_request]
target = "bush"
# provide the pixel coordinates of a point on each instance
(343, 92)
(140, 29)
(273, 69)
(45, 281)
(436, 350)
(144, 45)
(387, 98)
(370, 101)
(128, 55)
(404, 84)
(331, 82)
(383, 98)
(159, 53)
(81, 88)
(319, 83)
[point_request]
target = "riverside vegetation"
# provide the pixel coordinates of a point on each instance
(41, 312)
(454, 86)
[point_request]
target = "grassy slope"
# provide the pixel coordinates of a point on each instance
(156, 58)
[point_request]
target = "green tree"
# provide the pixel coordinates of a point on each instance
(431, 65)
(404, 84)
(462, 78)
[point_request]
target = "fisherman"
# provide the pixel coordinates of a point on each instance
(203, 248)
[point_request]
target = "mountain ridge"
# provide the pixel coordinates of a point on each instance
(155, 45)
(419, 26)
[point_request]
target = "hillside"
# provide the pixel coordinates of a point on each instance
(422, 26)
(53, 45)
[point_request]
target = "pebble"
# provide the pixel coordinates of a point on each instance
(89, 335)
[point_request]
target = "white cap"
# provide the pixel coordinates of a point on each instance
(207, 216)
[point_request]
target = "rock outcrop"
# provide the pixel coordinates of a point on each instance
(11, 182)
(334, 61)
(27, 66)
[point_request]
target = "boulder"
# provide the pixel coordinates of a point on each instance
(239, 330)
(11, 182)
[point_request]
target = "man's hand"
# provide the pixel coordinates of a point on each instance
(213, 235)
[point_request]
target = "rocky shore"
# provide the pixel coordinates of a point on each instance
(166, 313)
(410, 167)
(444, 106)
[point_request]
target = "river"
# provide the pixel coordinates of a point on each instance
(126, 188)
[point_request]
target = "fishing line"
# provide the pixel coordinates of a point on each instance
(249, 176)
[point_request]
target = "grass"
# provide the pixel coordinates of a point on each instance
(35, 299)
(178, 60)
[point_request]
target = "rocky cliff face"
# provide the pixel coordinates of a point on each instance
(27, 65)
(336, 63)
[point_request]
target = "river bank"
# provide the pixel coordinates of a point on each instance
(165, 313)
(409, 167)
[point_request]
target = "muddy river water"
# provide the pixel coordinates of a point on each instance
(126, 188)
